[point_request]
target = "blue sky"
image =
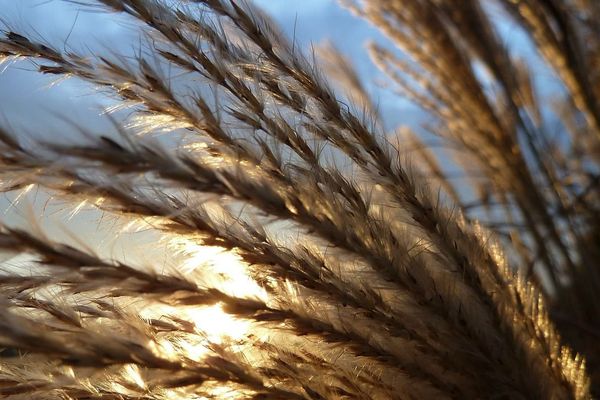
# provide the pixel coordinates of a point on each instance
(24, 94)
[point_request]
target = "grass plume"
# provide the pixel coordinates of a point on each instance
(347, 275)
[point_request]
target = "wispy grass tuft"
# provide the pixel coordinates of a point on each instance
(342, 272)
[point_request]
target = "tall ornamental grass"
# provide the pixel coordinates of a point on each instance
(310, 254)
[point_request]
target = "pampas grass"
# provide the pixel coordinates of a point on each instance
(338, 269)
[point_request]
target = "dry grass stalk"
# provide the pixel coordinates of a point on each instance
(532, 161)
(363, 284)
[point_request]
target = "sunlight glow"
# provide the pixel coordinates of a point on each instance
(132, 373)
(221, 269)
(217, 324)
(225, 392)
(209, 267)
